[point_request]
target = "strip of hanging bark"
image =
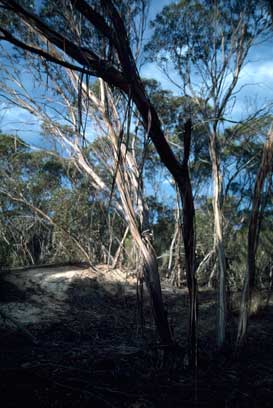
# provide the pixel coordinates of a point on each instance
(188, 232)
(128, 80)
(253, 237)
(128, 183)
(151, 274)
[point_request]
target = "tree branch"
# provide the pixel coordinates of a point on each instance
(84, 56)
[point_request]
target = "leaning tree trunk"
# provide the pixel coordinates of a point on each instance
(129, 185)
(253, 235)
(181, 176)
(218, 240)
(151, 273)
(126, 78)
(127, 177)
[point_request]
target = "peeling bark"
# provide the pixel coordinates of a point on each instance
(253, 237)
(127, 79)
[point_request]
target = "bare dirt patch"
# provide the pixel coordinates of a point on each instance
(43, 294)
(75, 340)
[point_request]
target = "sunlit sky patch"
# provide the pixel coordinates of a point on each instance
(255, 84)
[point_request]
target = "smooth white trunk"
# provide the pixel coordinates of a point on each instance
(218, 241)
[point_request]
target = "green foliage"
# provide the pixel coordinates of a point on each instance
(163, 222)
(185, 32)
(42, 181)
(12, 22)
(193, 41)
(174, 111)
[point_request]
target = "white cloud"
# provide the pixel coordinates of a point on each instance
(259, 73)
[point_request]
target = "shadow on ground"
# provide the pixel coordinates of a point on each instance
(93, 351)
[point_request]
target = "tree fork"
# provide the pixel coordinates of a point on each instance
(128, 81)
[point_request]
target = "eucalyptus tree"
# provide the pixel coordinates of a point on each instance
(113, 156)
(125, 172)
(241, 161)
(39, 206)
(264, 171)
(206, 43)
(13, 228)
(109, 56)
(172, 109)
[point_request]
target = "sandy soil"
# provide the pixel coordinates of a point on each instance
(71, 337)
(46, 290)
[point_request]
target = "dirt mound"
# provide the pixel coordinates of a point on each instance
(38, 295)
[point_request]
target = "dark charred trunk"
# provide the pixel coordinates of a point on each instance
(185, 189)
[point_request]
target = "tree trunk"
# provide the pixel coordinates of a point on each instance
(188, 233)
(218, 240)
(203, 265)
(171, 251)
(175, 243)
(126, 79)
(253, 237)
(120, 247)
(180, 173)
(212, 276)
(151, 273)
(129, 185)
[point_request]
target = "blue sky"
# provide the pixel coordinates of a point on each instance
(258, 73)
(256, 78)
(18, 121)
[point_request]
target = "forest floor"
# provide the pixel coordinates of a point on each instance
(71, 337)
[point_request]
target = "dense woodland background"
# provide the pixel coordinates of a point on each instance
(168, 185)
